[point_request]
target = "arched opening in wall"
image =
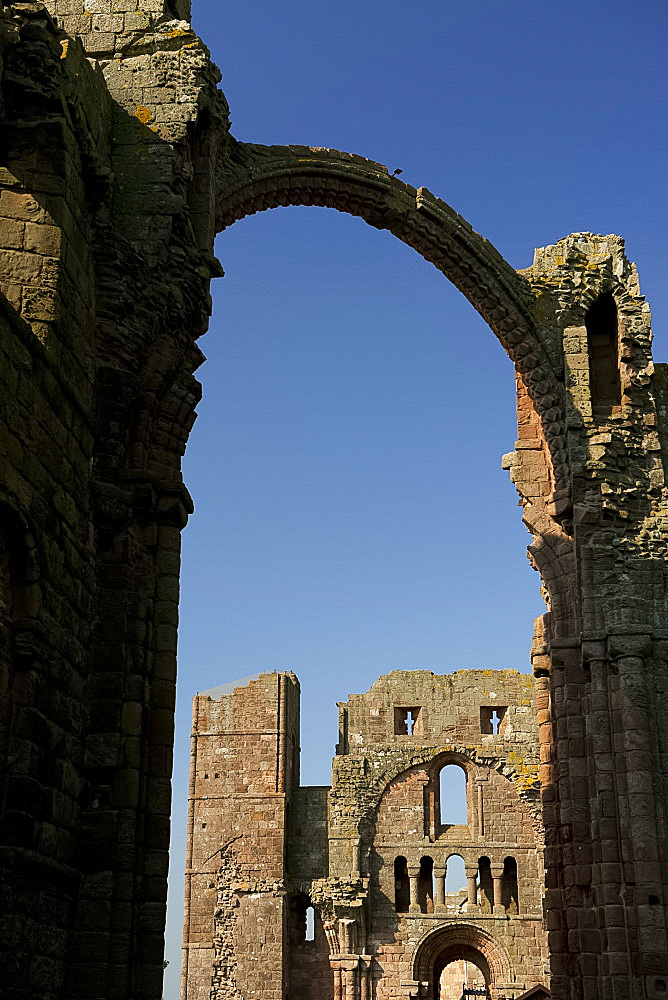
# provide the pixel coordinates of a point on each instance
(453, 801)
(450, 945)
(301, 921)
(321, 477)
(402, 890)
(509, 888)
(426, 885)
(601, 322)
(458, 970)
(455, 874)
(485, 885)
(310, 924)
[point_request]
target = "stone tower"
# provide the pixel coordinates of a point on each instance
(244, 775)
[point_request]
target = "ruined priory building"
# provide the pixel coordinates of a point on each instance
(117, 169)
(368, 857)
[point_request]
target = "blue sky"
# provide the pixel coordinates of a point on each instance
(351, 513)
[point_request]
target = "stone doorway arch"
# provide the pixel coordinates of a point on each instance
(461, 941)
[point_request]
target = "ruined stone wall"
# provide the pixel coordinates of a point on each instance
(342, 844)
(93, 200)
(455, 716)
(46, 380)
(244, 766)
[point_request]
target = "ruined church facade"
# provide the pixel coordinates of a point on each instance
(346, 892)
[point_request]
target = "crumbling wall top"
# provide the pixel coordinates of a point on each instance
(418, 707)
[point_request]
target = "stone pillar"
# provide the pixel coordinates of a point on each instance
(350, 981)
(439, 876)
(337, 982)
(472, 886)
(497, 876)
(413, 876)
(365, 976)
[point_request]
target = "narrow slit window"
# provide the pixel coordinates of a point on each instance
(310, 924)
(603, 349)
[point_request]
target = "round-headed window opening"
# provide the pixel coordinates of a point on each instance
(485, 885)
(426, 885)
(455, 873)
(402, 891)
(453, 802)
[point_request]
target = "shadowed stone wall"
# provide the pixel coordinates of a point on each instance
(117, 168)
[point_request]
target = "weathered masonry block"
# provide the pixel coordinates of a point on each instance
(377, 886)
(117, 169)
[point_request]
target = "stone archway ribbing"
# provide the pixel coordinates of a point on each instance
(465, 936)
(256, 178)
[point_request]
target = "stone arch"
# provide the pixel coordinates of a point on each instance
(256, 178)
(461, 939)
(524, 777)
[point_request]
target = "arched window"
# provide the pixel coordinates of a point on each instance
(402, 889)
(426, 885)
(310, 924)
(453, 803)
(509, 891)
(455, 874)
(485, 885)
(301, 920)
(603, 350)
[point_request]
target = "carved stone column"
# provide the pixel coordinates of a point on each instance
(413, 876)
(439, 876)
(497, 876)
(350, 983)
(336, 971)
(366, 976)
(472, 887)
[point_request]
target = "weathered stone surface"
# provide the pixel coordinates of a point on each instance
(261, 849)
(117, 168)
